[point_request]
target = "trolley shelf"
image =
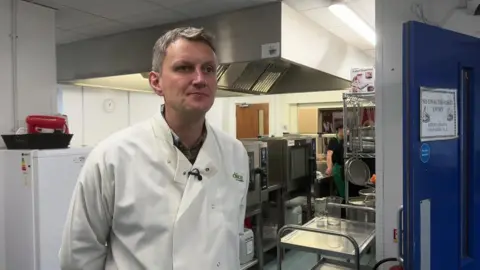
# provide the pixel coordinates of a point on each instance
(253, 210)
(332, 264)
(249, 264)
(269, 244)
(331, 245)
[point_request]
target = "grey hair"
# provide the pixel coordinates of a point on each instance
(188, 33)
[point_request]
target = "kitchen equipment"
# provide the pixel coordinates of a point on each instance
(40, 185)
(362, 145)
(272, 170)
(362, 215)
(247, 247)
(43, 132)
(320, 206)
(287, 161)
(37, 141)
(300, 161)
(367, 132)
(357, 171)
(368, 192)
(334, 213)
(293, 215)
(254, 188)
(46, 124)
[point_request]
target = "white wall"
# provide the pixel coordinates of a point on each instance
(36, 69)
(36, 63)
(390, 15)
(90, 123)
(6, 121)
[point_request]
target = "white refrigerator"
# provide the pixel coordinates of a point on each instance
(37, 189)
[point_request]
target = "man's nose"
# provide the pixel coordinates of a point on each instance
(200, 78)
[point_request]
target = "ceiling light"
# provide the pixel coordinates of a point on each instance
(350, 18)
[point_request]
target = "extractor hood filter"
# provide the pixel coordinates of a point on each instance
(268, 78)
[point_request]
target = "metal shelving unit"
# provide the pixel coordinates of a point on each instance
(360, 135)
(256, 212)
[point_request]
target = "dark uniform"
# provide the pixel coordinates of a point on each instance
(336, 146)
(338, 170)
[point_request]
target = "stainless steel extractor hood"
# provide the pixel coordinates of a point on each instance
(275, 76)
(258, 48)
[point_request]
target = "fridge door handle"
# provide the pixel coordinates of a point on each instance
(400, 233)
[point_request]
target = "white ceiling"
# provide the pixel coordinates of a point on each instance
(83, 19)
(317, 10)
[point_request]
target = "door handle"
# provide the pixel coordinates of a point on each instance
(400, 234)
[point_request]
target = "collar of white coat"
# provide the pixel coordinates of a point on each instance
(163, 131)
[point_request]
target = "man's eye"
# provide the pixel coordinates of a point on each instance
(183, 68)
(209, 69)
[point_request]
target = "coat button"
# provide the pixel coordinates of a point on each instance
(218, 264)
(213, 206)
(207, 169)
(184, 173)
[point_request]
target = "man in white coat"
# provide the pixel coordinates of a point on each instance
(168, 193)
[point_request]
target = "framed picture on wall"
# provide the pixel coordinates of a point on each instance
(327, 122)
(331, 120)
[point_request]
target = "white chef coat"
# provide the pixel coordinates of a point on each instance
(136, 207)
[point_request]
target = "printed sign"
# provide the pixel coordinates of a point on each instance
(270, 50)
(395, 235)
(363, 80)
(438, 114)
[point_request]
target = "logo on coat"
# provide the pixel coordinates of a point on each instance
(237, 177)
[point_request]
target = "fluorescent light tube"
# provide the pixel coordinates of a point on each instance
(351, 19)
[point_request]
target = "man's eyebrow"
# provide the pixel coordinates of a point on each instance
(210, 62)
(187, 62)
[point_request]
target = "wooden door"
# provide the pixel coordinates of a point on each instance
(252, 120)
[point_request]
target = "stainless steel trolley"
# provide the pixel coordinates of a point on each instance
(351, 240)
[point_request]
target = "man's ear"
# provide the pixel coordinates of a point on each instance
(155, 82)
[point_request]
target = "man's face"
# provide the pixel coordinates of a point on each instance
(188, 80)
(340, 133)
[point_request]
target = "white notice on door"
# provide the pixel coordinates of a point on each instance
(438, 114)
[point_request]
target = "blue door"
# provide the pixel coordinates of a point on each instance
(441, 149)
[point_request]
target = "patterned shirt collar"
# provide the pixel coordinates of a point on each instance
(192, 152)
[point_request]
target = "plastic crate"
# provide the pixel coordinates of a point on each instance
(37, 141)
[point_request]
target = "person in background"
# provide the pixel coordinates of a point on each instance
(335, 161)
(168, 193)
(336, 165)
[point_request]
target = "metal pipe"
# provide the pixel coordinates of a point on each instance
(353, 207)
(14, 37)
(346, 140)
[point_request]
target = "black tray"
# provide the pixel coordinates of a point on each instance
(37, 141)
